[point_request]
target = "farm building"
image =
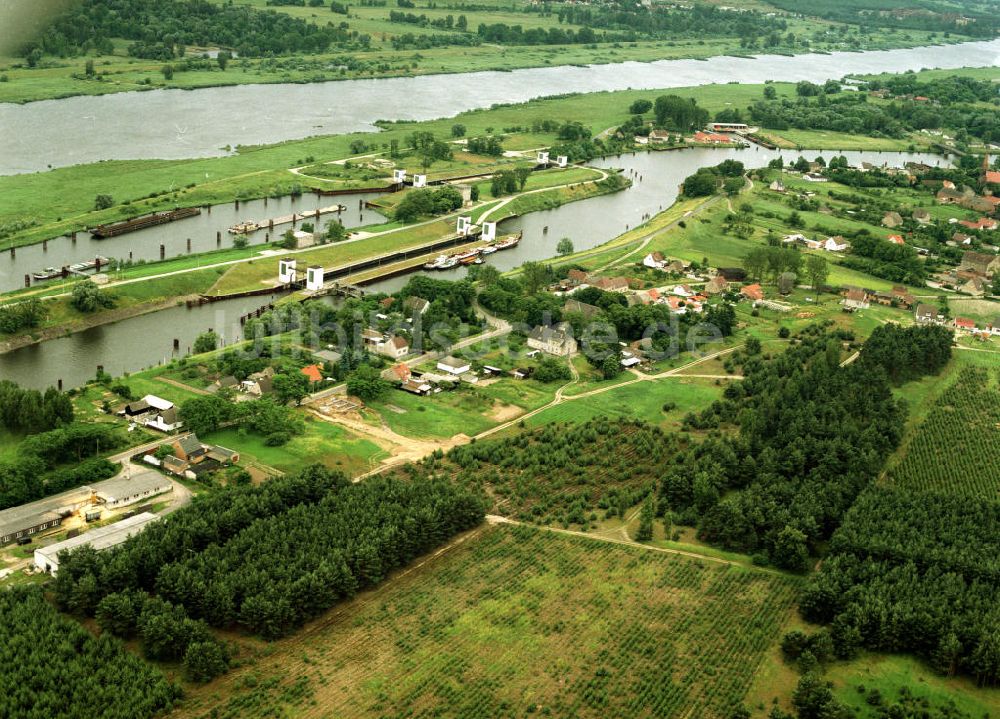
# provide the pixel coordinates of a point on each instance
(29, 519)
(47, 558)
(454, 365)
(122, 491)
(556, 340)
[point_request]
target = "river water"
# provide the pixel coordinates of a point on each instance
(202, 233)
(140, 342)
(181, 124)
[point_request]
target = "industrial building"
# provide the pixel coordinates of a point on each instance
(29, 519)
(47, 558)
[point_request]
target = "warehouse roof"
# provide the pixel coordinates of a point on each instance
(102, 537)
(121, 486)
(17, 519)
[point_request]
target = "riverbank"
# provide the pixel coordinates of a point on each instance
(56, 79)
(98, 319)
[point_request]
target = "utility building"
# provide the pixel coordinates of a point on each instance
(47, 558)
(286, 270)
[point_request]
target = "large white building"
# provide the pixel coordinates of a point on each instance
(47, 558)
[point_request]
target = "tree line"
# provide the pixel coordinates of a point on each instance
(161, 29)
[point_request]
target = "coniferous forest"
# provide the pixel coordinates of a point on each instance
(56, 669)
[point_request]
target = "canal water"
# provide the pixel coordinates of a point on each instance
(145, 341)
(190, 235)
(176, 124)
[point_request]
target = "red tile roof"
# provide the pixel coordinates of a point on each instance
(313, 372)
(993, 176)
(754, 292)
(965, 323)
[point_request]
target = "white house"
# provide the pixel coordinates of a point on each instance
(420, 180)
(654, 260)
(314, 278)
(557, 340)
(286, 270)
(454, 365)
(835, 244)
(809, 177)
(165, 420)
(394, 347)
(489, 231)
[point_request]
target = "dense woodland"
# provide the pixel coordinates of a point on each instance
(268, 558)
(55, 669)
(826, 108)
(916, 572)
(160, 28)
(812, 435)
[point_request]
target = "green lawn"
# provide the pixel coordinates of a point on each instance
(890, 674)
(443, 415)
(322, 443)
(640, 400)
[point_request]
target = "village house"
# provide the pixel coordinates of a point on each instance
(777, 186)
(259, 383)
(926, 313)
(659, 136)
(711, 138)
(222, 383)
(974, 286)
(416, 385)
(577, 277)
(557, 340)
(960, 238)
(965, 324)
(453, 365)
(416, 305)
(165, 420)
(812, 177)
(611, 284)
(921, 215)
(903, 298)
(655, 260)
(856, 299)
(983, 223)
(892, 220)
(953, 196)
(189, 449)
(589, 312)
(717, 285)
(991, 177)
(897, 239)
(752, 292)
(980, 262)
(391, 346)
(313, 372)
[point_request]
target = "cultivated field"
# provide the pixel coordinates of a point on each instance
(516, 621)
(957, 447)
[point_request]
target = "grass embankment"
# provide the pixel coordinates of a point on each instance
(130, 300)
(62, 200)
(528, 618)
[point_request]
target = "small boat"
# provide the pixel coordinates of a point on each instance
(49, 273)
(507, 243)
(471, 260)
(448, 263)
(488, 249)
(436, 263)
(243, 228)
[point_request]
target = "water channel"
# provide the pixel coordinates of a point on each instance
(145, 341)
(202, 233)
(176, 124)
